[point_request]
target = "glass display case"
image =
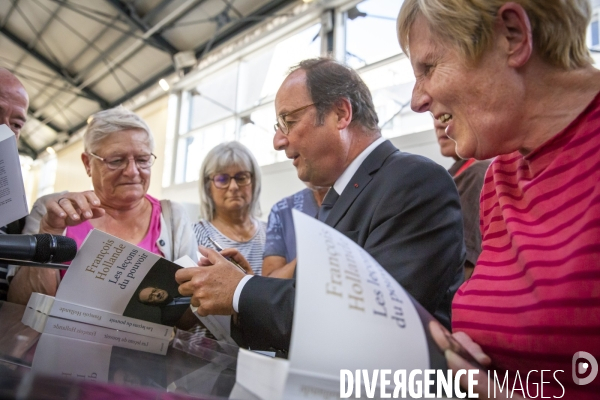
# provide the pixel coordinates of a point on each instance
(194, 366)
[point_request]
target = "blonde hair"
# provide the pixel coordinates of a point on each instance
(558, 27)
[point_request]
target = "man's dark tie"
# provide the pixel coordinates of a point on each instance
(328, 203)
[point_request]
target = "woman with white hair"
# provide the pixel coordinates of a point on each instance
(118, 158)
(229, 207)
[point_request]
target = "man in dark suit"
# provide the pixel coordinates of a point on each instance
(403, 209)
(14, 103)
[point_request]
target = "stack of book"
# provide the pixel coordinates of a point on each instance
(48, 315)
(118, 294)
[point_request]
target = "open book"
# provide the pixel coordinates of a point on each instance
(114, 284)
(349, 314)
(112, 275)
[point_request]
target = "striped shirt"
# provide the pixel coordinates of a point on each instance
(534, 298)
(252, 250)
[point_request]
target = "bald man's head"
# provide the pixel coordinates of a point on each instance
(14, 102)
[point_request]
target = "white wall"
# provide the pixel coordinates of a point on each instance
(423, 143)
(70, 172)
(155, 114)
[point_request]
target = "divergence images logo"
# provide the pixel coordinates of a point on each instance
(580, 367)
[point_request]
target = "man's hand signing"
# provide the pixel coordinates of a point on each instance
(213, 283)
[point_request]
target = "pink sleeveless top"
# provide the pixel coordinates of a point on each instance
(80, 232)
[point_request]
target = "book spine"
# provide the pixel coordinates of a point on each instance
(40, 302)
(34, 319)
(98, 334)
(57, 308)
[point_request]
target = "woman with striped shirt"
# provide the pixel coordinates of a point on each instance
(229, 207)
(515, 80)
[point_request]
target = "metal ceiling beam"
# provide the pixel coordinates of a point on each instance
(169, 25)
(156, 10)
(39, 112)
(150, 82)
(227, 34)
(24, 145)
(235, 29)
(134, 20)
(241, 25)
(9, 13)
(38, 35)
(56, 128)
(70, 64)
(139, 44)
(126, 55)
(25, 148)
(101, 57)
(55, 68)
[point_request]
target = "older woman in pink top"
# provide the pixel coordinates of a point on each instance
(118, 158)
(515, 80)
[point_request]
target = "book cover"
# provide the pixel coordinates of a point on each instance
(349, 314)
(112, 275)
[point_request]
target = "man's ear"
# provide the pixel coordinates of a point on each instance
(343, 110)
(514, 27)
(86, 163)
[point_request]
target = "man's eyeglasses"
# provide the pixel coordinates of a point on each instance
(222, 181)
(282, 123)
(117, 163)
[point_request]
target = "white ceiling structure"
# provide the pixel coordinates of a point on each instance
(76, 57)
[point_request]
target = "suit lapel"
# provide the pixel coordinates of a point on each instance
(359, 181)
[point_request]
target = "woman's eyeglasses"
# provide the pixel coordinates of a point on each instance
(117, 163)
(222, 181)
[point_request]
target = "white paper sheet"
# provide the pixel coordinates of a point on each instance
(13, 203)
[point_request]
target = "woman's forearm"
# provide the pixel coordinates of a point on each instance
(32, 279)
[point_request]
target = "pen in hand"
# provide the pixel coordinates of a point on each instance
(231, 260)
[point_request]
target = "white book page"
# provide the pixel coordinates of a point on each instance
(13, 203)
(349, 314)
(218, 325)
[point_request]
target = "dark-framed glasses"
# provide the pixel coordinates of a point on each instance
(116, 163)
(282, 123)
(222, 181)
